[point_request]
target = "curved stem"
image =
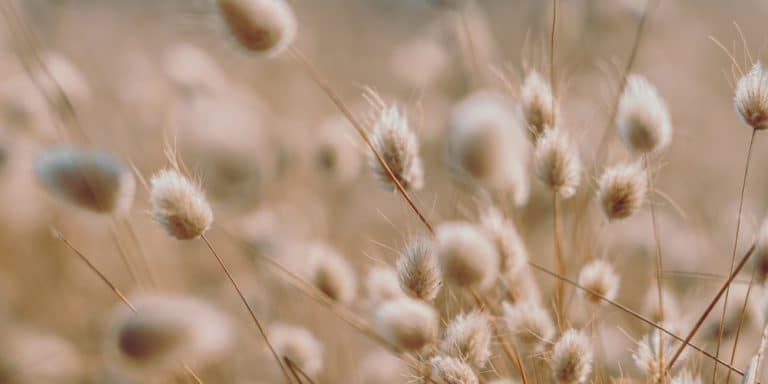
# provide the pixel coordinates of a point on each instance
(742, 317)
(297, 55)
(247, 306)
(735, 245)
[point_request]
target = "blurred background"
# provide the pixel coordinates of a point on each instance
(283, 170)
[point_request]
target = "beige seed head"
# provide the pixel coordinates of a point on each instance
(331, 273)
(382, 284)
(647, 358)
(686, 377)
(751, 98)
(418, 271)
(599, 277)
(91, 180)
(298, 345)
(452, 370)
(642, 117)
(165, 330)
(468, 337)
(179, 205)
(512, 253)
(29, 356)
(621, 190)
(407, 323)
(572, 358)
(399, 147)
(557, 162)
(537, 102)
(467, 256)
(651, 305)
(521, 286)
(531, 324)
(262, 26)
(487, 145)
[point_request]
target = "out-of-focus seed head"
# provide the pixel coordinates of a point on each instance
(382, 284)
(468, 337)
(382, 367)
(751, 375)
(418, 271)
(398, 146)
(331, 273)
(537, 102)
(647, 358)
(165, 330)
(749, 317)
(530, 324)
(512, 253)
(572, 358)
(298, 345)
(751, 98)
(452, 370)
(643, 119)
(651, 305)
(407, 323)
(686, 377)
(601, 279)
(557, 162)
(179, 205)
(487, 144)
(521, 286)
(761, 253)
(335, 154)
(91, 180)
(262, 26)
(28, 356)
(467, 256)
(621, 190)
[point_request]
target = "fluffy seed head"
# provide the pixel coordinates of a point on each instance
(418, 271)
(468, 337)
(557, 162)
(487, 144)
(95, 181)
(407, 323)
(467, 257)
(599, 277)
(452, 370)
(179, 205)
(642, 117)
(686, 377)
(521, 286)
(651, 305)
(399, 148)
(530, 323)
(572, 358)
(752, 97)
(165, 330)
(382, 284)
(537, 102)
(262, 26)
(647, 357)
(621, 190)
(298, 345)
(331, 273)
(512, 253)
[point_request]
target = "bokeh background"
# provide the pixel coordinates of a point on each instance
(283, 170)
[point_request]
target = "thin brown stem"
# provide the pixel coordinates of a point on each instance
(735, 245)
(552, 52)
(144, 260)
(300, 371)
(659, 263)
(191, 372)
(742, 318)
(325, 86)
(557, 238)
(124, 256)
(632, 313)
(247, 306)
(291, 368)
(95, 270)
(711, 305)
(508, 347)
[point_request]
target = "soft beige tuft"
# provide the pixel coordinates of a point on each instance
(572, 358)
(601, 279)
(179, 205)
(467, 256)
(407, 323)
(468, 337)
(418, 271)
(263, 26)
(622, 190)
(643, 119)
(557, 162)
